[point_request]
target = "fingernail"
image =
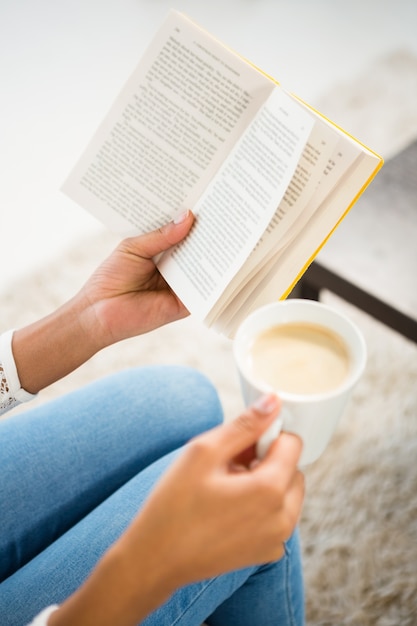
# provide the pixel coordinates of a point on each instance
(181, 217)
(266, 404)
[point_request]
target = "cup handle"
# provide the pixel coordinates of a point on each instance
(269, 436)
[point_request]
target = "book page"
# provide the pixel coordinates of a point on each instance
(330, 171)
(238, 205)
(181, 112)
(258, 290)
(303, 185)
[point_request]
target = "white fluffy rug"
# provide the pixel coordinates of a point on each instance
(359, 524)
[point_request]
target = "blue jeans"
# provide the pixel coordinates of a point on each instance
(73, 474)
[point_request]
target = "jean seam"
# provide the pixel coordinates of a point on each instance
(195, 598)
(288, 585)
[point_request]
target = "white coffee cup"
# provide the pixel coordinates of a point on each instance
(312, 416)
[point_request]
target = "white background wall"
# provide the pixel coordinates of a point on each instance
(62, 62)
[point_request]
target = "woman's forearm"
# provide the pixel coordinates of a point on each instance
(54, 346)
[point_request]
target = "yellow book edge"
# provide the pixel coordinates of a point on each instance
(330, 233)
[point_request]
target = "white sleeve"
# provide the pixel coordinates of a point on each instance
(11, 392)
(42, 618)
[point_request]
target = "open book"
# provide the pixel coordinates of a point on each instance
(268, 178)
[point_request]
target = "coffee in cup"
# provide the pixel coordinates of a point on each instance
(299, 357)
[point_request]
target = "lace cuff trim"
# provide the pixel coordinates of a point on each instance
(11, 393)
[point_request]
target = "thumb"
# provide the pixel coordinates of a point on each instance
(234, 437)
(167, 236)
